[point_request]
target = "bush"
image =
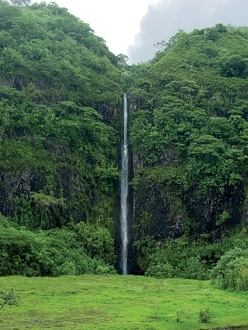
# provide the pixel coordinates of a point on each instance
(242, 279)
(231, 271)
(204, 315)
(178, 258)
(192, 268)
(50, 253)
(160, 271)
(105, 269)
(8, 298)
(17, 253)
(96, 241)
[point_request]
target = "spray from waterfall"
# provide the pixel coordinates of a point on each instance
(124, 191)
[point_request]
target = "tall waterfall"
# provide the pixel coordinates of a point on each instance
(124, 191)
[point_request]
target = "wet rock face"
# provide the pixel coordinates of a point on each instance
(107, 112)
(17, 188)
(161, 212)
(206, 211)
(13, 184)
(157, 213)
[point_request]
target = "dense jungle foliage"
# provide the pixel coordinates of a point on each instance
(189, 134)
(60, 123)
(59, 95)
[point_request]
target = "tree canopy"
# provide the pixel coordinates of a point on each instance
(60, 109)
(188, 132)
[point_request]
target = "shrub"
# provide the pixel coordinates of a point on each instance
(178, 258)
(96, 241)
(46, 253)
(242, 279)
(17, 253)
(160, 270)
(204, 315)
(192, 268)
(8, 298)
(231, 271)
(105, 269)
(236, 275)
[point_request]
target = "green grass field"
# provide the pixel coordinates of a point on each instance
(119, 302)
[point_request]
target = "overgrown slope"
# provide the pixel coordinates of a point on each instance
(58, 104)
(189, 133)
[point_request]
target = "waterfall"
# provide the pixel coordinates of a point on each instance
(124, 191)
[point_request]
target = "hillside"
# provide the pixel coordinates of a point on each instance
(59, 96)
(60, 123)
(59, 109)
(189, 135)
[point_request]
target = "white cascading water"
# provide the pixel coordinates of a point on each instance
(124, 191)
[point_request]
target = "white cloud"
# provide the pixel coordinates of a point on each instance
(115, 21)
(165, 18)
(132, 27)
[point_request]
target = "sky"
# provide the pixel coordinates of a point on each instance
(116, 21)
(133, 27)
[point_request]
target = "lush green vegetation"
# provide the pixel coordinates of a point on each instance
(120, 302)
(189, 134)
(82, 249)
(59, 130)
(57, 93)
(225, 262)
(60, 105)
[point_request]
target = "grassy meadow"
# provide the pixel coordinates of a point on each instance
(119, 302)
